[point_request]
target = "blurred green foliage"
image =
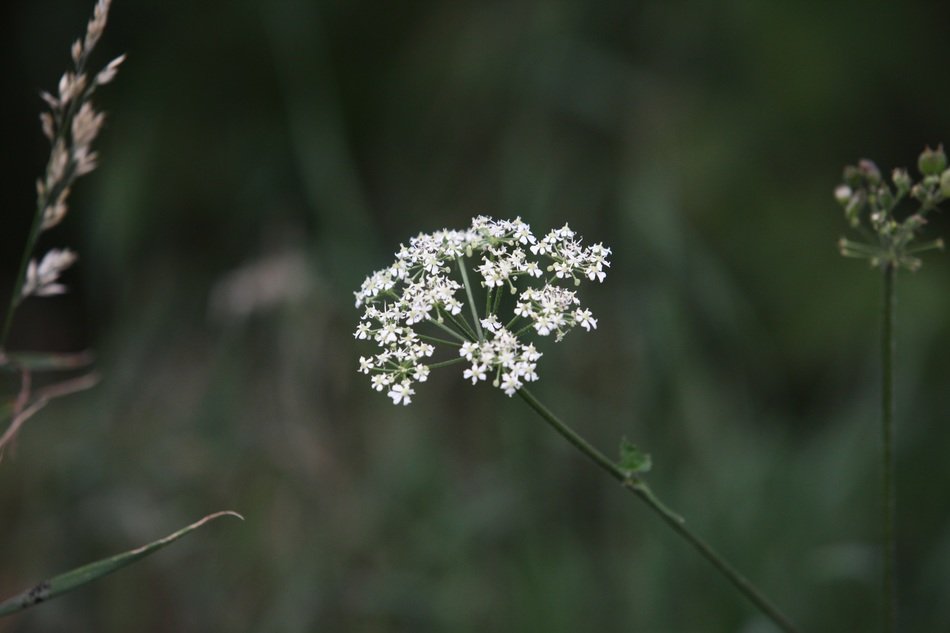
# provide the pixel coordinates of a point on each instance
(700, 140)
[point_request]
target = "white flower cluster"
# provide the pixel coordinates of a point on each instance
(412, 304)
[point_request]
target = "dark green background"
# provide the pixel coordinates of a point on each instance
(700, 140)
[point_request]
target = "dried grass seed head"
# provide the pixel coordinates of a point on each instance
(72, 124)
(41, 278)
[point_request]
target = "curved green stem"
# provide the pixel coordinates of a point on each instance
(643, 491)
(888, 484)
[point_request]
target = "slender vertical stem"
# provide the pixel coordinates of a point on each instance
(643, 491)
(471, 300)
(888, 484)
(20, 278)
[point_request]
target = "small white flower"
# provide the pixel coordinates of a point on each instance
(389, 333)
(401, 392)
(562, 270)
(585, 319)
(523, 309)
(476, 372)
(595, 272)
(491, 323)
(420, 373)
(366, 365)
(530, 353)
(843, 194)
(510, 383)
(526, 371)
(533, 269)
(468, 350)
(381, 381)
(544, 325)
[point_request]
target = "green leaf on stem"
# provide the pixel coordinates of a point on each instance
(633, 461)
(70, 580)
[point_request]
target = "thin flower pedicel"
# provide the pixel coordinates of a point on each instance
(411, 306)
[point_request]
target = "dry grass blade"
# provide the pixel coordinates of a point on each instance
(41, 361)
(41, 399)
(70, 580)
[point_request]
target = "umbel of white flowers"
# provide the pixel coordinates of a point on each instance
(413, 304)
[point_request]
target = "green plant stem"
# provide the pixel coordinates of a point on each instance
(436, 339)
(643, 491)
(888, 484)
(498, 292)
(446, 363)
(462, 324)
(471, 300)
(447, 329)
(20, 278)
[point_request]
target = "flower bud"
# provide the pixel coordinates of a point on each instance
(870, 171)
(901, 180)
(852, 210)
(915, 222)
(843, 194)
(885, 198)
(945, 183)
(852, 176)
(932, 161)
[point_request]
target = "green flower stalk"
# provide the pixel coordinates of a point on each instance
(410, 305)
(889, 243)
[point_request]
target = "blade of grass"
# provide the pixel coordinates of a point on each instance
(80, 576)
(36, 361)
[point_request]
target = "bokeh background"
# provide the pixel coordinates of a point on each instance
(261, 158)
